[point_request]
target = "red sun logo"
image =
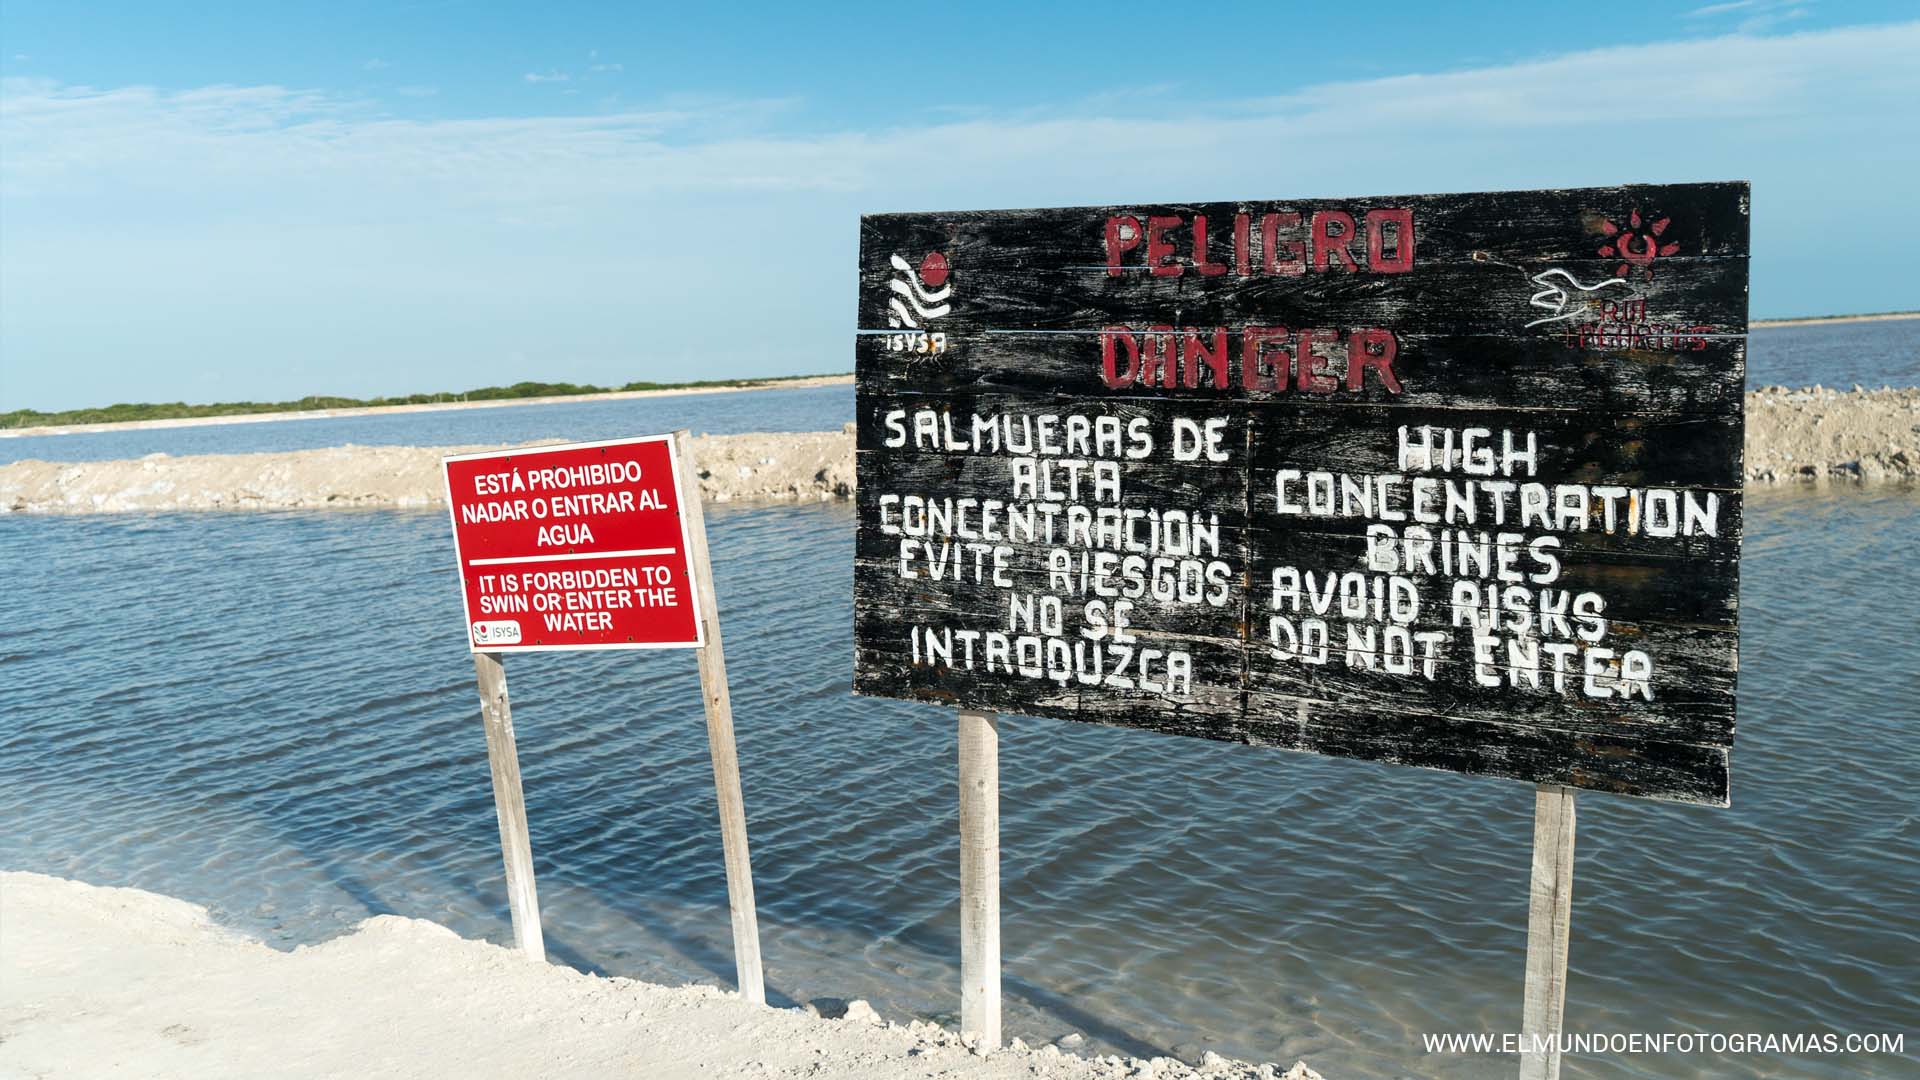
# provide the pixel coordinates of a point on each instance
(933, 269)
(1636, 246)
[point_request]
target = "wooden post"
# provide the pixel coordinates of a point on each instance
(726, 760)
(1549, 912)
(508, 805)
(980, 878)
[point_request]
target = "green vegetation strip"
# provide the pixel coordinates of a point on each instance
(172, 410)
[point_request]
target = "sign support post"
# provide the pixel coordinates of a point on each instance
(593, 546)
(508, 805)
(1549, 913)
(980, 877)
(720, 744)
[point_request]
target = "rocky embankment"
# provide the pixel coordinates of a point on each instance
(1820, 434)
(1812, 434)
(804, 466)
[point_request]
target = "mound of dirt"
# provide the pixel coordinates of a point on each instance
(1820, 434)
(807, 466)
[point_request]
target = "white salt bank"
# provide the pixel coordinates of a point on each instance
(98, 982)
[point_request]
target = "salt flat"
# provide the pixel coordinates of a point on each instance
(117, 982)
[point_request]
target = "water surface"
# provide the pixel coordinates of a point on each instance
(274, 715)
(1835, 355)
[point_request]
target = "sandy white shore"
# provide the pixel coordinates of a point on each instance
(436, 406)
(109, 982)
(1811, 434)
(1831, 320)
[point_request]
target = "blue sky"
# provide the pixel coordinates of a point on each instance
(261, 201)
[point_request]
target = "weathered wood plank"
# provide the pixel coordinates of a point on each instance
(1499, 466)
(1549, 922)
(1554, 224)
(718, 703)
(1695, 297)
(1036, 373)
(1650, 768)
(509, 805)
(980, 878)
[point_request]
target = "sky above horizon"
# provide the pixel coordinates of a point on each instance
(262, 202)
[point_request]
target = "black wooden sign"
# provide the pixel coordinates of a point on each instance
(1442, 480)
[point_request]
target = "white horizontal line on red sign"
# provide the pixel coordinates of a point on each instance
(631, 553)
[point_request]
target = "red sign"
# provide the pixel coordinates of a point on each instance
(574, 547)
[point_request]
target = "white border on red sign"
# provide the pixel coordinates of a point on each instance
(686, 545)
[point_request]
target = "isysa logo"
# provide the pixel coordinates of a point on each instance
(917, 297)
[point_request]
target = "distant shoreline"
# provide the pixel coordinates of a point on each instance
(622, 395)
(1819, 320)
(435, 406)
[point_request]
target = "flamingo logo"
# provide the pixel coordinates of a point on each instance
(1558, 292)
(918, 297)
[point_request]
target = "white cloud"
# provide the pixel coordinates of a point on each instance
(1603, 99)
(551, 76)
(1760, 15)
(609, 67)
(376, 64)
(460, 239)
(1721, 9)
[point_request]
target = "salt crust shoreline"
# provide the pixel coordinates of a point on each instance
(1833, 320)
(800, 383)
(1808, 435)
(806, 466)
(121, 982)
